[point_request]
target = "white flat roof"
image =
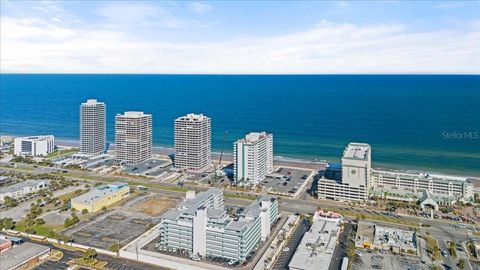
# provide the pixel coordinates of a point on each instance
(357, 151)
(316, 248)
(92, 102)
(133, 114)
(192, 117)
(37, 138)
(254, 137)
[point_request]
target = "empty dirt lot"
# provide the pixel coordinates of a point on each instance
(123, 223)
(155, 206)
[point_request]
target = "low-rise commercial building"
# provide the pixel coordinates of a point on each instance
(253, 157)
(22, 189)
(34, 145)
(415, 183)
(5, 244)
(315, 251)
(374, 236)
(101, 196)
(23, 256)
(355, 182)
(201, 226)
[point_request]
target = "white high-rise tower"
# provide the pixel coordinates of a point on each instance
(92, 127)
(253, 157)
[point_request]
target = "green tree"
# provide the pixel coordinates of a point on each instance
(461, 264)
(84, 211)
(39, 221)
(89, 254)
(10, 202)
(6, 223)
(104, 208)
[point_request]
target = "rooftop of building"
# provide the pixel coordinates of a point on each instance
(421, 175)
(99, 192)
(3, 241)
(254, 137)
(317, 245)
(192, 117)
(133, 114)
(37, 138)
(21, 253)
(190, 205)
(21, 185)
(359, 151)
(147, 165)
(91, 102)
(254, 208)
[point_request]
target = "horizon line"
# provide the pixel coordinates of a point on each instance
(249, 74)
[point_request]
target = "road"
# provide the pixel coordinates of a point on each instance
(112, 262)
(286, 256)
(340, 250)
(444, 229)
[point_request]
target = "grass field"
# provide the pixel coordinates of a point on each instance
(62, 152)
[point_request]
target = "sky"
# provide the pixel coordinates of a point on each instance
(240, 37)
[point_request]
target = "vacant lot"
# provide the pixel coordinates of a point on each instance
(123, 223)
(155, 206)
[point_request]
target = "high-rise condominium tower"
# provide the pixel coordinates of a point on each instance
(92, 127)
(193, 142)
(133, 137)
(253, 157)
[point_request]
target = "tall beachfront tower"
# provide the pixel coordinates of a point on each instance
(193, 146)
(356, 169)
(253, 157)
(357, 165)
(92, 127)
(133, 137)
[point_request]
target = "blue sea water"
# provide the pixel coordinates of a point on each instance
(412, 121)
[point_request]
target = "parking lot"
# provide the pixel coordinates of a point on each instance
(377, 260)
(120, 225)
(286, 181)
(151, 167)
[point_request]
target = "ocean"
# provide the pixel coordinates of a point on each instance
(412, 122)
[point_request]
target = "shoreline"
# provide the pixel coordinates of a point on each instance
(291, 161)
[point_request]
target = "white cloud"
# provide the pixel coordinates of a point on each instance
(199, 7)
(39, 46)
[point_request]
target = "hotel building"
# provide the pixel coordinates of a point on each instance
(92, 127)
(253, 157)
(100, 196)
(355, 182)
(34, 145)
(415, 183)
(193, 145)
(133, 137)
(202, 227)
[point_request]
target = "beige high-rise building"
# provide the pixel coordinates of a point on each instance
(193, 147)
(92, 127)
(133, 137)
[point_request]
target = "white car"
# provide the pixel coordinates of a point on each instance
(232, 262)
(285, 249)
(156, 245)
